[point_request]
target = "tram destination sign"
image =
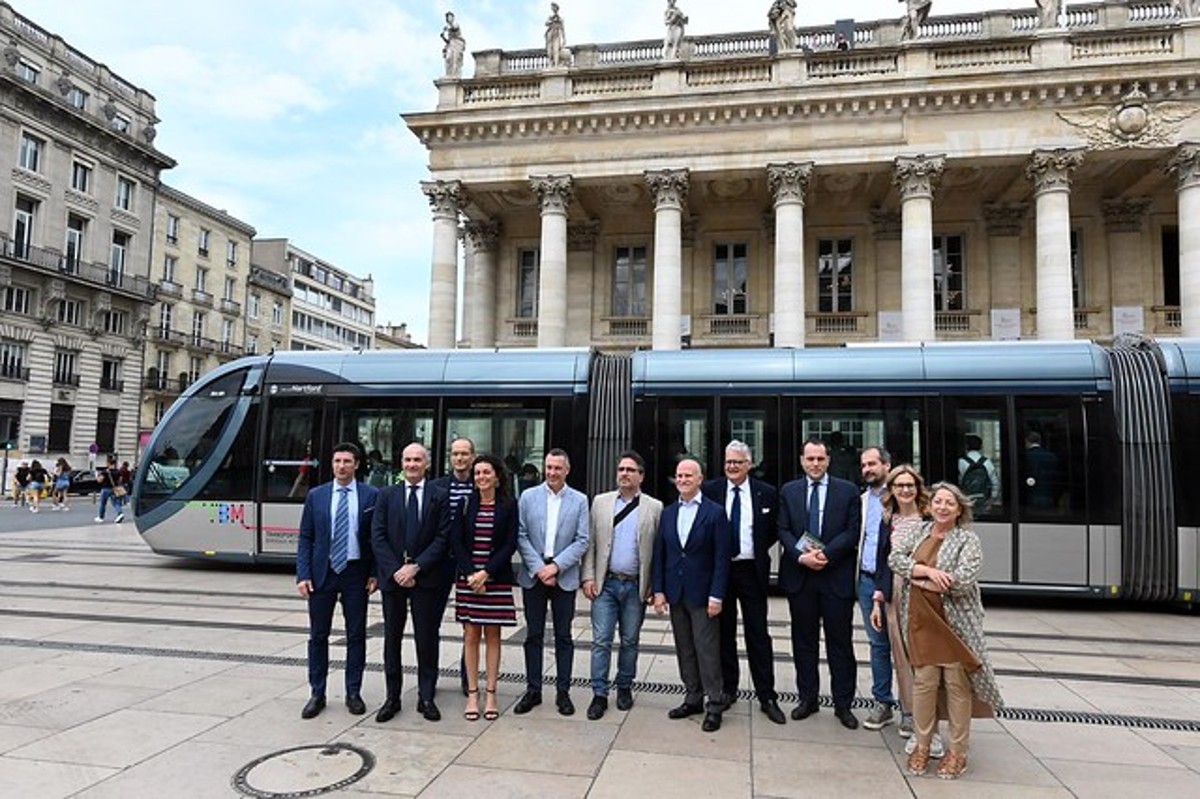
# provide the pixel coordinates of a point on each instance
(296, 389)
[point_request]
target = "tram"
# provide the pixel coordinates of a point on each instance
(226, 472)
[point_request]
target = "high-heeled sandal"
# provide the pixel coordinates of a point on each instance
(472, 715)
(491, 715)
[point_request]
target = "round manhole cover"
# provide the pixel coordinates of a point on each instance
(304, 771)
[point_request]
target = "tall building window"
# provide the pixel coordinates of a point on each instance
(110, 375)
(30, 156)
(121, 123)
(195, 368)
(230, 288)
(231, 253)
(77, 97)
(629, 281)
(59, 439)
(528, 262)
(16, 299)
(201, 279)
(120, 248)
(124, 198)
(166, 313)
(27, 71)
(277, 313)
(66, 368)
(172, 229)
(198, 327)
(70, 312)
(23, 225)
(253, 305)
(835, 275)
(251, 345)
(81, 177)
(170, 262)
(76, 234)
(163, 362)
(949, 274)
(226, 334)
(729, 278)
(12, 359)
(116, 322)
(1077, 293)
(106, 429)
(202, 241)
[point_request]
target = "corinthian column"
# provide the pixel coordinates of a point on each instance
(446, 198)
(669, 187)
(916, 176)
(554, 192)
(788, 182)
(481, 238)
(1185, 163)
(1050, 171)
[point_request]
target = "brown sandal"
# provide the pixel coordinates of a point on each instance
(953, 766)
(918, 761)
(493, 714)
(472, 715)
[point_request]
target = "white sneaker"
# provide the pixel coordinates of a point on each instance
(98, 519)
(937, 748)
(120, 517)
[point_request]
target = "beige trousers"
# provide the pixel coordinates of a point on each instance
(927, 681)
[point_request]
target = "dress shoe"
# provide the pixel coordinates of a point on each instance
(711, 723)
(801, 712)
(773, 710)
(314, 706)
(390, 708)
(355, 705)
(848, 719)
(528, 701)
(684, 710)
(624, 698)
(564, 704)
(596, 709)
(429, 710)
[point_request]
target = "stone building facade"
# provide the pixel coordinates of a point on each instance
(988, 176)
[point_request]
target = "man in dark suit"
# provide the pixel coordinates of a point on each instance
(334, 563)
(689, 574)
(750, 504)
(819, 521)
(412, 522)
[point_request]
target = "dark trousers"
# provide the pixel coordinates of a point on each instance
(809, 608)
(698, 652)
(746, 590)
(562, 610)
(427, 605)
(349, 587)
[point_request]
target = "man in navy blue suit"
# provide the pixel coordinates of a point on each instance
(334, 563)
(819, 521)
(689, 574)
(410, 537)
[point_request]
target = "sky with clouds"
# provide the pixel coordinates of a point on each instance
(286, 113)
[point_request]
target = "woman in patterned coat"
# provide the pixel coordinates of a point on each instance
(941, 619)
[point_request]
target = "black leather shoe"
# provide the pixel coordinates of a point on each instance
(564, 704)
(597, 708)
(429, 710)
(711, 723)
(528, 701)
(314, 706)
(773, 710)
(624, 698)
(801, 712)
(848, 719)
(356, 705)
(684, 710)
(386, 713)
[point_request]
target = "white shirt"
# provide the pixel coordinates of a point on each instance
(352, 550)
(687, 517)
(553, 505)
(745, 531)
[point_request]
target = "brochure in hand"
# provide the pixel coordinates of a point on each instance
(809, 542)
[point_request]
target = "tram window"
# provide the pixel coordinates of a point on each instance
(382, 434)
(516, 435)
(234, 478)
(1051, 461)
(976, 439)
(292, 461)
(749, 427)
(894, 425)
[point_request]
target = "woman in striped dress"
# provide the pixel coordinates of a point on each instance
(484, 542)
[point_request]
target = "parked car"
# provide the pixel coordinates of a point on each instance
(83, 481)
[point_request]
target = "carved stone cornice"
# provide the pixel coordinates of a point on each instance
(446, 197)
(1185, 163)
(81, 199)
(886, 225)
(1004, 219)
(1050, 170)
(5, 275)
(554, 192)
(581, 236)
(788, 182)
(1124, 214)
(916, 176)
(1131, 122)
(126, 219)
(30, 180)
(482, 235)
(669, 187)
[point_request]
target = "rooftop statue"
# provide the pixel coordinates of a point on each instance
(556, 39)
(453, 47)
(1048, 12)
(916, 12)
(781, 19)
(674, 20)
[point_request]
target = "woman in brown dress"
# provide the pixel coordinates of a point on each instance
(941, 621)
(484, 543)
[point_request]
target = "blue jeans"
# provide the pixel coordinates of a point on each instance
(618, 601)
(881, 647)
(105, 495)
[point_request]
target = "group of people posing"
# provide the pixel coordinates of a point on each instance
(905, 554)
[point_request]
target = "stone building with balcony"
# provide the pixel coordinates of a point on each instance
(200, 264)
(330, 309)
(79, 189)
(993, 175)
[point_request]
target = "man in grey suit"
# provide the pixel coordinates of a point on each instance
(616, 578)
(551, 539)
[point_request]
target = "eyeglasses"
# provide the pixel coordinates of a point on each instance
(904, 486)
(736, 462)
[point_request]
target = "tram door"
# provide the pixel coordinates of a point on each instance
(518, 435)
(756, 423)
(977, 457)
(292, 462)
(683, 427)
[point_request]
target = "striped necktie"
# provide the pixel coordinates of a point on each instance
(339, 554)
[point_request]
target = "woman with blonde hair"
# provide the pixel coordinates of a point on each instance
(941, 623)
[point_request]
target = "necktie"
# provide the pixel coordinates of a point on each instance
(412, 521)
(814, 510)
(339, 554)
(735, 516)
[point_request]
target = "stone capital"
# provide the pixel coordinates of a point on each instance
(581, 236)
(788, 182)
(886, 225)
(1004, 219)
(1185, 163)
(669, 187)
(1050, 170)
(482, 235)
(1124, 214)
(917, 175)
(554, 192)
(446, 197)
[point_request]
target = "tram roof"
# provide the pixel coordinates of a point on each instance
(1182, 357)
(902, 368)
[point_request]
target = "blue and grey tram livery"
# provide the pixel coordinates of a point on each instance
(1085, 445)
